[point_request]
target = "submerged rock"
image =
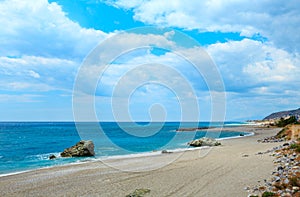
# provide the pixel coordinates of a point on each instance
(204, 142)
(81, 149)
(52, 157)
(166, 151)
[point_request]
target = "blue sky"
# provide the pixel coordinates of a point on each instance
(254, 45)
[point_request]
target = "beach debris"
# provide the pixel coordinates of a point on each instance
(245, 155)
(139, 193)
(83, 148)
(52, 156)
(204, 142)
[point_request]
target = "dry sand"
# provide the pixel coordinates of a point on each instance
(222, 171)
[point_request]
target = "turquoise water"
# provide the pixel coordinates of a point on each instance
(27, 145)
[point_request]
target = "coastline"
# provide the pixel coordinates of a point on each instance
(144, 154)
(219, 169)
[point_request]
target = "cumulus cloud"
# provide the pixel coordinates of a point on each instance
(246, 65)
(125, 52)
(133, 65)
(41, 48)
(259, 77)
(279, 21)
(39, 28)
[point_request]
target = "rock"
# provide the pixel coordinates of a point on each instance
(286, 195)
(138, 193)
(280, 168)
(204, 142)
(252, 195)
(286, 181)
(166, 151)
(277, 179)
(262, 188)
(296, 188)
(52, 157)
(81, 149)
(247, 188)
(288, 190)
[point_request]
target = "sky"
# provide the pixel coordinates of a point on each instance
(45, 45)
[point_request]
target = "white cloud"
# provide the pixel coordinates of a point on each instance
(249, 64)
(33, 73)
(41, 48)
(8, 98)
(24, 86)
(39, 28)
(131, 56)
(259, 78)
(278, 21)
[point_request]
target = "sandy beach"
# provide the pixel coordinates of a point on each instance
(221, 171)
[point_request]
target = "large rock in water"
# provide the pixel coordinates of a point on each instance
(81, 149)
(204, 142)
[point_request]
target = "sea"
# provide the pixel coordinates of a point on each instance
(27, 145)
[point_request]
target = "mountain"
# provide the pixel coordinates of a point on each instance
(284, 114)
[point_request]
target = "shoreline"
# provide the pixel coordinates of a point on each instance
(142, 154)
(214, 167)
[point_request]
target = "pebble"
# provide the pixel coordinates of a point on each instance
(286, 181)
(287, 166)
(295, 188)
(272, 139)
(247, 188)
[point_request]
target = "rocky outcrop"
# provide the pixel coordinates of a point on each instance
(289, 132)
(81, 149)
(204, 142)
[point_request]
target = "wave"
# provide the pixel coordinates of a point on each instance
(44, 156)
(246, 134)
(236, 124)
(14, 173)
(172, 150)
